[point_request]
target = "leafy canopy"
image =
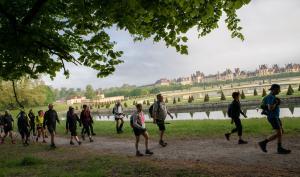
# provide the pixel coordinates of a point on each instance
(41, 36)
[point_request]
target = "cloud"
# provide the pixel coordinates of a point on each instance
(272, 36)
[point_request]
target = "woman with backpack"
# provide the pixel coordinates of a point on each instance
(137, 122)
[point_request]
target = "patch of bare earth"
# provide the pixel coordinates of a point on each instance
(214, 157)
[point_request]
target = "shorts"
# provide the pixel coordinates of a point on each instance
(7, 129)
(39, 127)
(161, 125)
(138, 132)
(116, 119)
(51, 129)
(24, 133)
(73, 132)
(275, 123)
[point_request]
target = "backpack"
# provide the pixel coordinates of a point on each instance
(229, 110)
(264, 106)
(151, 109)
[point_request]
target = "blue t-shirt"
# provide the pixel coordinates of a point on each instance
(270, 100)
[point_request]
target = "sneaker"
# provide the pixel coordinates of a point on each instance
(79, 142)
(283, 151)
(227, 136)
(71, 143)
(138, 154)
(148, 152)
(243, 142)
(163, 144)
(263, 146)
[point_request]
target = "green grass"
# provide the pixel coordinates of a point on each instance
(182, 129)
(38, 160)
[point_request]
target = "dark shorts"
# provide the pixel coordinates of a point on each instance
(73, 132)
(138, 132)
(39, 127)
(116, 119)
(161, 125)
(275, 123)
(7, 129)
(51, 129)
(24, 133)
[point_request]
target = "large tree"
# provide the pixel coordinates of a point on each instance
(41, 36)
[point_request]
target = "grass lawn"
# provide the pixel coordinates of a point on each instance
(38, 160)
(182, 129)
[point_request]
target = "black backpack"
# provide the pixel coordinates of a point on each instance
(229, 110)
(264, 106)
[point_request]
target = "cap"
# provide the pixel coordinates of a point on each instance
(274, 86)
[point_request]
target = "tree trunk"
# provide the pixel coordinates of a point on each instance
(16, 96)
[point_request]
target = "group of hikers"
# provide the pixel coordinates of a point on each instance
(30, 123)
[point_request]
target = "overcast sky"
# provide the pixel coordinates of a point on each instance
(272, 35)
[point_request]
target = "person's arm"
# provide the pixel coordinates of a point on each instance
(56, 117)
(155, 112)
(67, 122)
(241, 111)
(170, 114)
(272, 103)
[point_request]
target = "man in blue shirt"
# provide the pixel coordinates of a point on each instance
(273, 110)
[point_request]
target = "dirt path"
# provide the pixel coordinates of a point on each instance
(209, 151)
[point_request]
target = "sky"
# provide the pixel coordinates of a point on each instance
(272, 36)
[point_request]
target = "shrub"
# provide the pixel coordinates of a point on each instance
(264, 93)
(223, 96)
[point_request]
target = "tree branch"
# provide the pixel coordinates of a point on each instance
(15, 94)
(33, 12)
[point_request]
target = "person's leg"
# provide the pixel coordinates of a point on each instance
(121, 125)
(92, 129)
(161, 135)
(11, 137)
(137, 139)
(117, 126)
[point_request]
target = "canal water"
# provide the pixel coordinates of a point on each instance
(194, 115)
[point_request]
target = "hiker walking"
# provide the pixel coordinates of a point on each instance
(234, 112)
(39, 120)
(119, 116)
(8, 127)
(272, 110)
(159, 114)
(23, 127)
(50, 119)
(71, 125)
(32, 122)
(86, 120)
(137, 122)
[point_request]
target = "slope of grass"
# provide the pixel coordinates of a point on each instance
(195, 128)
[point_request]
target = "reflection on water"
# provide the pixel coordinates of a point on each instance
(222, 114)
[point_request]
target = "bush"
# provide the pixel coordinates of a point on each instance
(174, 100)
(148, 102)
(206, 98)
(125, 105)
(255, 92)
(166, 100)
(290, 90)
(243, 96)
(264, 93)
(178, 100)
(223, 96)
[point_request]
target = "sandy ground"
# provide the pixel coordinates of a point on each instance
(214, 156)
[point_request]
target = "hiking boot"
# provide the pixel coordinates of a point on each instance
(263, 146)
(71, 143)
(243, 142)
(148, 152)
(163, 144)
(139, 154)
(281, 150)
(227, 136)
(79, 142)
(91, 140)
